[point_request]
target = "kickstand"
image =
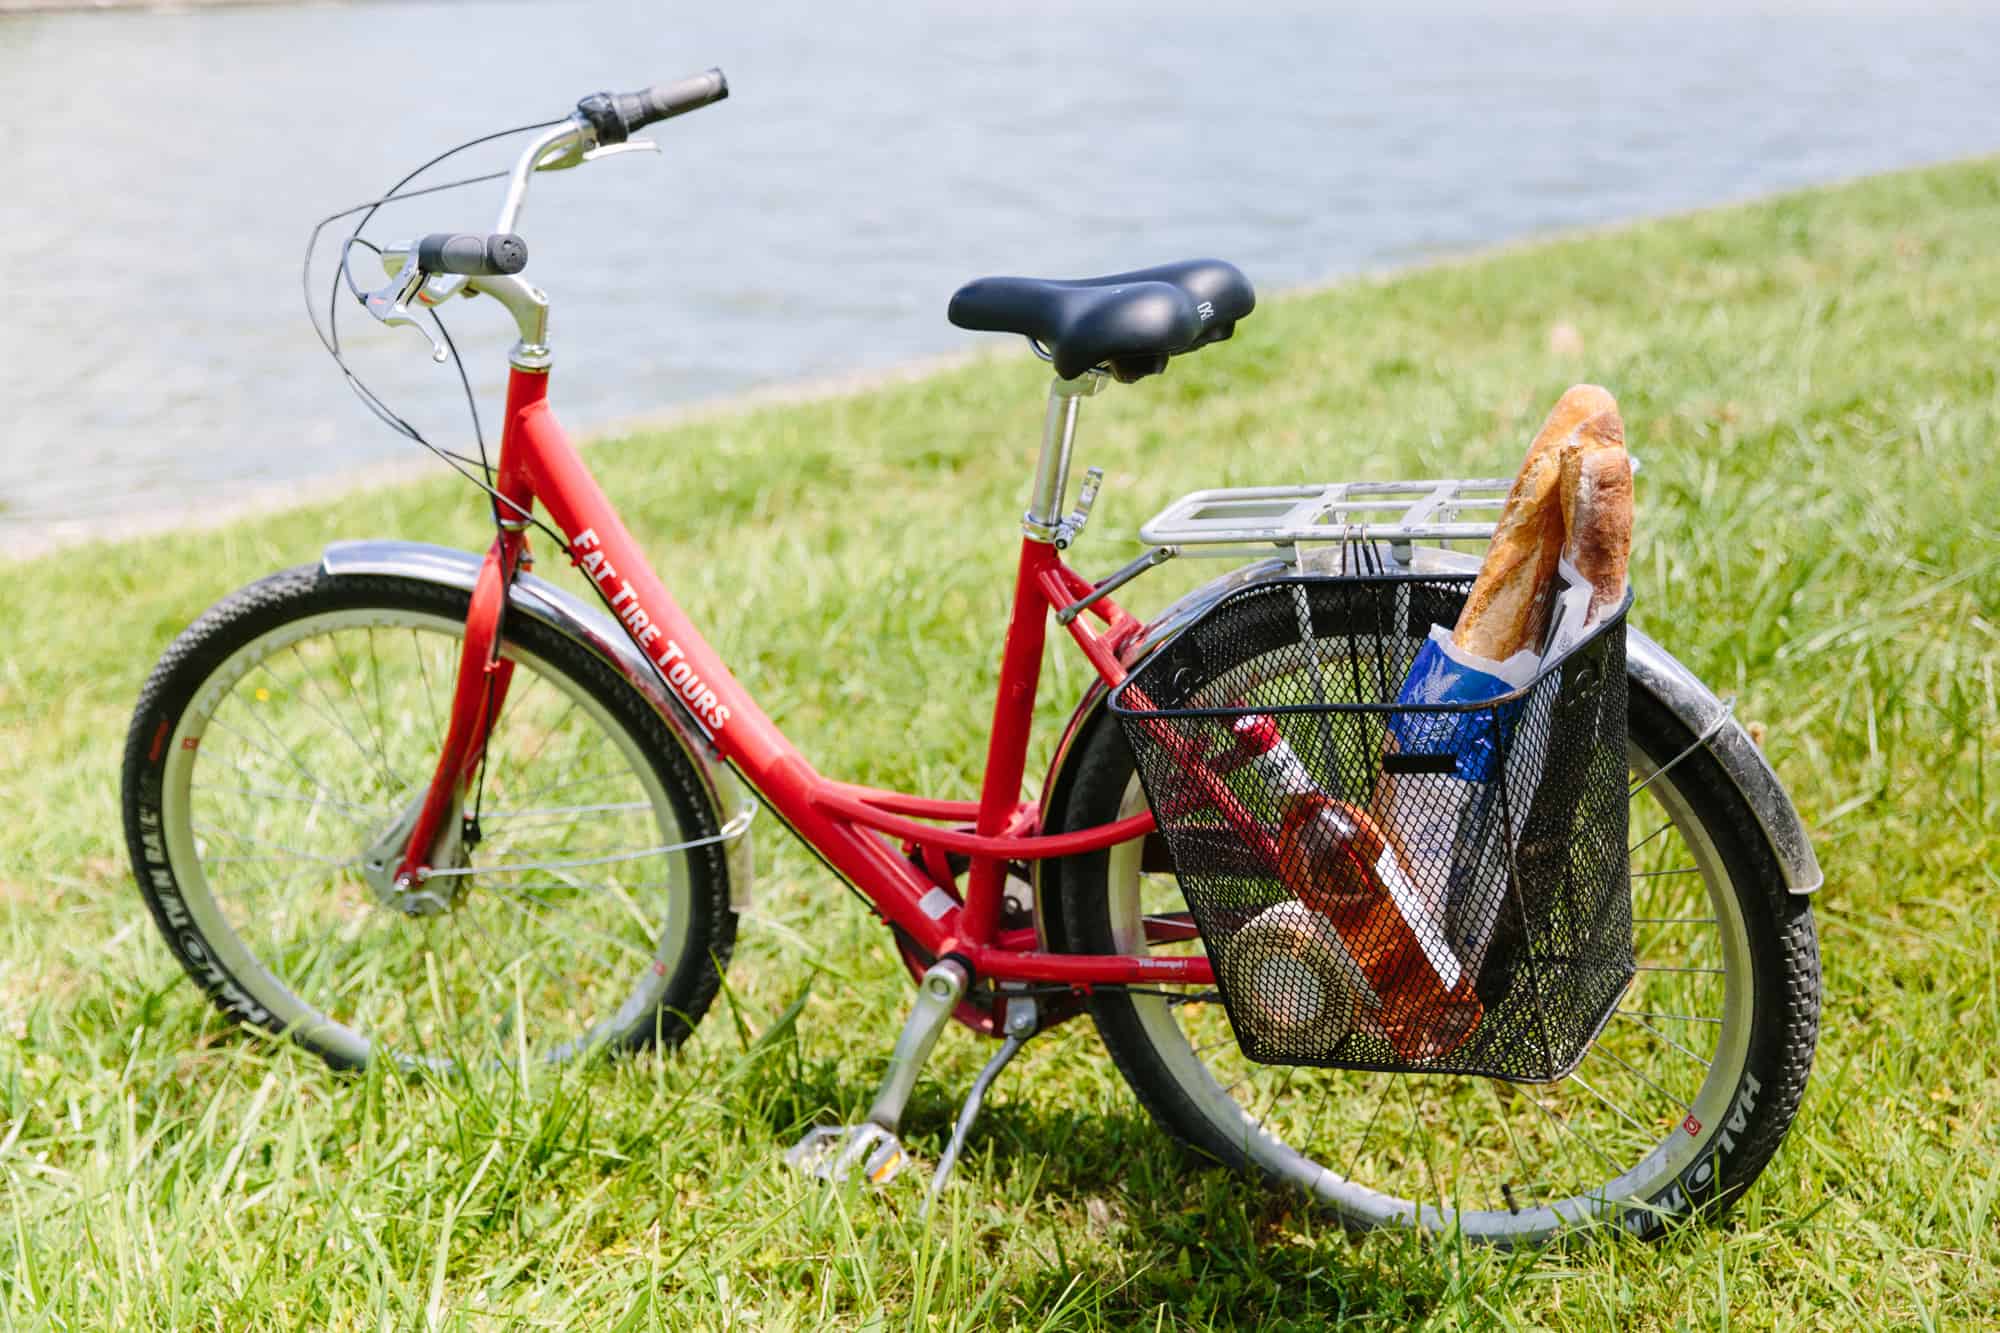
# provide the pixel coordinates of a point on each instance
(1022, 1018)
(834, 1152)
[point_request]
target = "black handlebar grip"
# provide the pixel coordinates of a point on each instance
(664, 101)
(473, 256)
(615, 116)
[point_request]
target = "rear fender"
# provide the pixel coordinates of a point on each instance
(570, 617)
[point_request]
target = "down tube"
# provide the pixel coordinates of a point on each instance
(608, 555)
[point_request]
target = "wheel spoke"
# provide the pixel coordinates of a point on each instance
(502, 962)
(1600, 1048)
(375, 758)
(430, 693)
(1616, 1109)
(553, 788)
(528, 761)
(1514, 1143)
(1649, 837)
(541, 912)
(1423, 1140)
(289, 757)
(486, 815)
(296, 798)
(1272, 1101)
(316, 949)
(279, 860)
(289, 853)
(375, 684)
(381, 753)
(1685, 1018)
(321, 801)
(1627, 1014)
(1367, 1132)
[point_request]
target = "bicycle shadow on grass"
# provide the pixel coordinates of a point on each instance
(1164, 1226)
(1135, 1222)
(1098, 1218)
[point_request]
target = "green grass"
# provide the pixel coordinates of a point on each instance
(1809, 382)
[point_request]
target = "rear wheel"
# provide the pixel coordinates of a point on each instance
(1677, 1107)
(287, 735)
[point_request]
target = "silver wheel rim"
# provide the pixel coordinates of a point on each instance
(527, 963)
(1619, 1183)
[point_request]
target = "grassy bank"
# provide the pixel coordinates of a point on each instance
(1810, 384)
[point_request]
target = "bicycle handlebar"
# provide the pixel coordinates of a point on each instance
(616, 115)
(470, 255)
(601, 124)
(435, 268)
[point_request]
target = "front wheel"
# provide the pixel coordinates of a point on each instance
(289, 732)
(1676, 1108)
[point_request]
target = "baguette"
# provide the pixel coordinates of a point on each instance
(1597, 509)
(1508, 606)
(1579, 403)
(1573, 500)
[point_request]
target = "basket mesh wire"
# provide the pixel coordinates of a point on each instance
(1375, 898)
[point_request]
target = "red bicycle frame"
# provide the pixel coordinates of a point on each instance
(842, 822)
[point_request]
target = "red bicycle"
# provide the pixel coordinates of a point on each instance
(416, 803)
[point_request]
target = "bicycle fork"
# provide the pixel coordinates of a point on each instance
(431, 829)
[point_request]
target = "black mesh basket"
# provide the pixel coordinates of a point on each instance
(1416, 887)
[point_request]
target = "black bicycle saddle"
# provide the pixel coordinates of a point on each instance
(1130, 322)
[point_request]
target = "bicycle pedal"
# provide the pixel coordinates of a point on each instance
(835, 1152)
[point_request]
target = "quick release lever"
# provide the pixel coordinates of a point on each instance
(1072, 527)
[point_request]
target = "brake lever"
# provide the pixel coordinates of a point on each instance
(575, 154)
(391, 304)
(613, 149)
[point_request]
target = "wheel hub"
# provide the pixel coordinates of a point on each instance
(423, 902)
(417, 895)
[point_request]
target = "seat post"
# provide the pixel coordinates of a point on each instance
(1045, 505)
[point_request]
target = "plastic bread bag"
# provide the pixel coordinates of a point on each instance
(1444, 786)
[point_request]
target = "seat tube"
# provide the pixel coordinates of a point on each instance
(1007, 747)
(1021, 660)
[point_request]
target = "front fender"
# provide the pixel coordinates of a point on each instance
(570, 617)
(1650, 667)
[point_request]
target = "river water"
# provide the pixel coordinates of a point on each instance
(165, 168)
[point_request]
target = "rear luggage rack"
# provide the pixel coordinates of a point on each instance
(1396, 512)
